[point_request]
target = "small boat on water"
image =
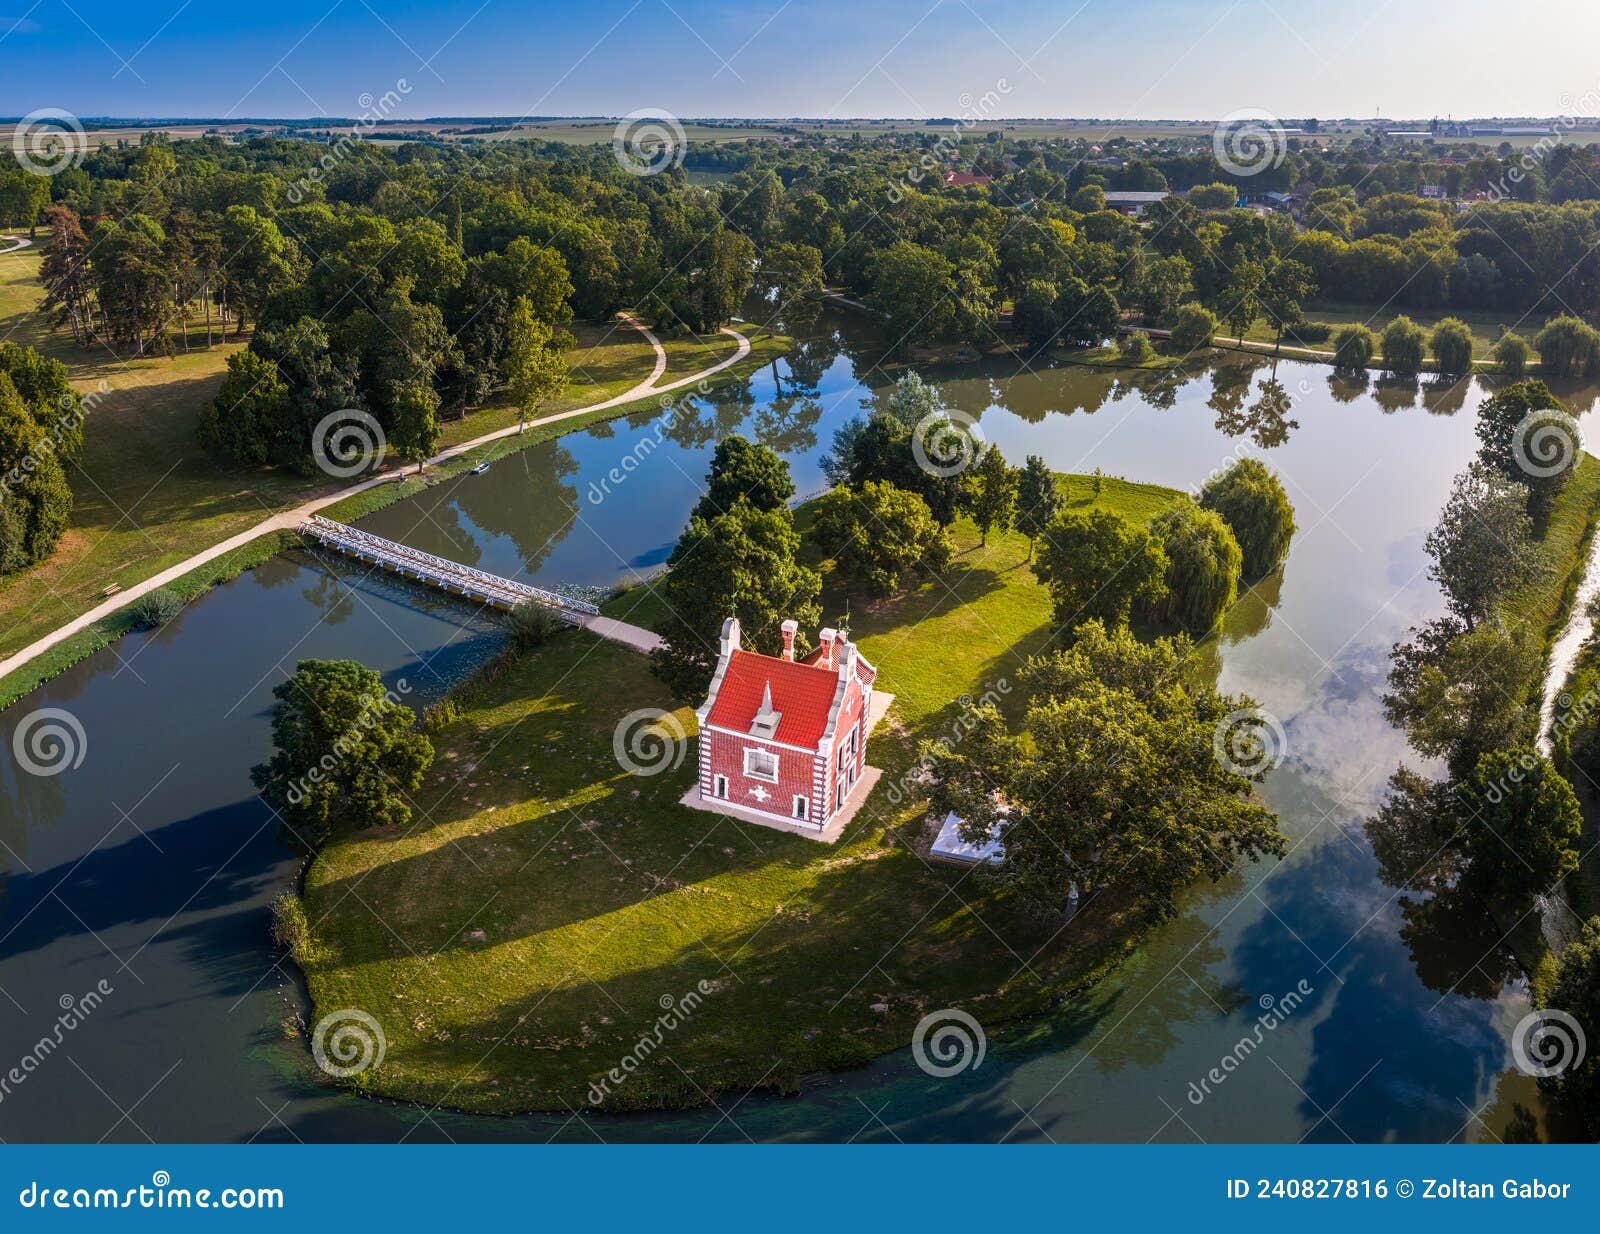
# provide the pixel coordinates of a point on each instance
(480, 469)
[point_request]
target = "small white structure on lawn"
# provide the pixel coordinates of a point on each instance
(949, 846)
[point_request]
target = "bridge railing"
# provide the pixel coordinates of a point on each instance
(441, 569)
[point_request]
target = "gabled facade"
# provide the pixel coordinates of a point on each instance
(784, 738)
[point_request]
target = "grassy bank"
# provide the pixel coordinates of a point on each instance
(520, 939)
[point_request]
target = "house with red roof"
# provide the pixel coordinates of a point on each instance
(783, 741)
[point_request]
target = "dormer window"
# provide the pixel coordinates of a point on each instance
(766, 722)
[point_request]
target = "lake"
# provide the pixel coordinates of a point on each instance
(149, 867)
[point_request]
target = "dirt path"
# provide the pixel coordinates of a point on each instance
(288, 520)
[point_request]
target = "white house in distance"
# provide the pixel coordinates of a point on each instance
(783, 742)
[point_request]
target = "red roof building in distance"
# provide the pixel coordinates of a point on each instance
(784, 741)
(959, 179)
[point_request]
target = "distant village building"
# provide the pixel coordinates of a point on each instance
(1133, 204)
(783, 742)
(959, 179)
(1434, 192)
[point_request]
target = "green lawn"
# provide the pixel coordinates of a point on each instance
(523, 935)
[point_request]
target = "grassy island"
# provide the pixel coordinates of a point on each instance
(522, 936)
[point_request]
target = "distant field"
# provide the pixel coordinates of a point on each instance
(598, 130)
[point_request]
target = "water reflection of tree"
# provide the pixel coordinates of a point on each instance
(1170, 990)
(1348, 387)
(542, 512)
(700, 422)
(1445, 398)
(1266, 420)
(1458, 684)
(1395, 393)
(330, 597)
(788, 425)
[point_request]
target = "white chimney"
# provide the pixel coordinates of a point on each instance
(826, 638)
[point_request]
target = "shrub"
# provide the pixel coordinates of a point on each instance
(441, 715)
(1511, 352)
(1452, 346)
(1192, 327)
(157, 608)
(1352, 348)
(292, 931)
(1569, 348)
(1252, 501)
(1312, 331)
(1204, 562)
(1404, 343)
(1135, 348)
(533, 624)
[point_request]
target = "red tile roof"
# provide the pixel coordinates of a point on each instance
(958, 179)
(803, 693)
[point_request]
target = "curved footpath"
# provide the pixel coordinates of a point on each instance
(16, 242)
(290, 519)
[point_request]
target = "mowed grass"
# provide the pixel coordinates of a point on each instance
(523, 935)
(146, 495)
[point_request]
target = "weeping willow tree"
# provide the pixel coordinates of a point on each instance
(1252, 501)
(1203, 567)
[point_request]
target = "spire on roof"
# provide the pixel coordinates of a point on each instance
(765, 723)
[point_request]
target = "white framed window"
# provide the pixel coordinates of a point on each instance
(842, 787)
(802, 808)
(761, 765)
(719, 787)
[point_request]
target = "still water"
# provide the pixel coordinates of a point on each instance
(150, 866)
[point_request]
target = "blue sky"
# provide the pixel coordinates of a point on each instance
(1144, 58)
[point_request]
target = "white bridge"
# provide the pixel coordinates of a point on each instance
(439, 572)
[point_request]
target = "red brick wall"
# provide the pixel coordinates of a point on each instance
(726, 757)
